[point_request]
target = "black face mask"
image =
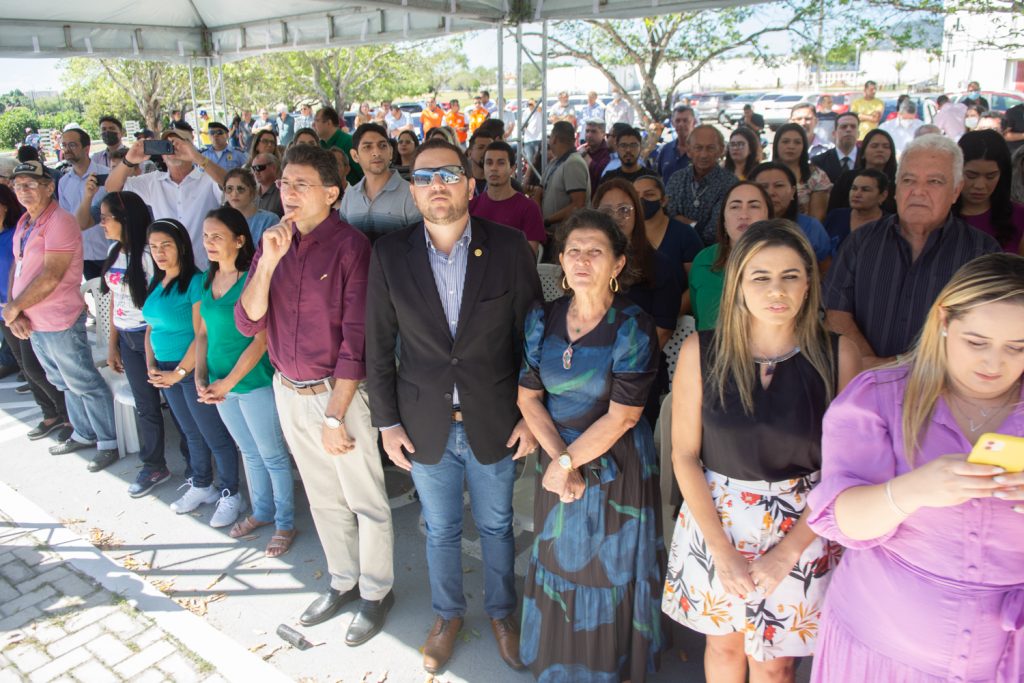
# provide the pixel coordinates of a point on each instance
(110, 138)
(651, 207)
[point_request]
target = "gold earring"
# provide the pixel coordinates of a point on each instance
(613, 284)
(565, 284)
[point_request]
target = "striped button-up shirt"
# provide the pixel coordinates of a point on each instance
(450, 277)
(876, 278)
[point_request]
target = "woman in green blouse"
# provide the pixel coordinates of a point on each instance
(744, 205)
(234, 373)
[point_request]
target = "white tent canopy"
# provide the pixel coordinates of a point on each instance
(227, 30)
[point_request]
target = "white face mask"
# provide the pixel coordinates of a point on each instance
(971, 123)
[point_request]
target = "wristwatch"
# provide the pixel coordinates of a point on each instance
(565, 461)
(181, 371)
(332, 422)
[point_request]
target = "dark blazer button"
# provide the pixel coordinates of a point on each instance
(447, 397)
(455, 361)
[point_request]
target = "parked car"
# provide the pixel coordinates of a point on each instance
(733, 111)
(841, 100)
(764, 100)
(998, 101)
(710, 106)
(776, 112)
(926, 108)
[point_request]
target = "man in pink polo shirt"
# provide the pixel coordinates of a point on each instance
(46, 306)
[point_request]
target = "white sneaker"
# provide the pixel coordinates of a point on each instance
(228, 509)
(193, 498)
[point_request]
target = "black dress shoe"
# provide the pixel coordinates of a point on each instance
(42, 429)
(370, 620)
(327, 605)
(103, 460)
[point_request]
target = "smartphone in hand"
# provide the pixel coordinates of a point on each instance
(999, 450)
(159, 147)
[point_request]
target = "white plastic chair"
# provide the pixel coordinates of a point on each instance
(540, 253)
(550, 280)
(124, 401)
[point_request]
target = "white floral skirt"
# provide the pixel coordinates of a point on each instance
(756, 515)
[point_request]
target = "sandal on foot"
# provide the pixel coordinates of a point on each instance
(246, 527)
(280, 542)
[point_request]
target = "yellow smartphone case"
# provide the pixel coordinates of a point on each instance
(999, 450)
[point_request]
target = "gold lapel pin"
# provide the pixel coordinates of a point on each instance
(478, 252)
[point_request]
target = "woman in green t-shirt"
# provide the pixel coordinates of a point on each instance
(744, 205)
(234, 373)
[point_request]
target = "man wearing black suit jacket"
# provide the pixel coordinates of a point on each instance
(456, 291)
(832, 161)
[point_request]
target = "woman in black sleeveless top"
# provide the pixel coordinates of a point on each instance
(748, 401)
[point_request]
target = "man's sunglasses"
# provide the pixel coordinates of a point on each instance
(259, 168)
(423, 177)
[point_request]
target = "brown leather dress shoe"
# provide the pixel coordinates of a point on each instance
(440, 643)
(507, 635)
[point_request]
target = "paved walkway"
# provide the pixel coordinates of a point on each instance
(60, 624)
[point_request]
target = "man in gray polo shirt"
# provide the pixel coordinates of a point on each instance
(381, 202)
(565, 186)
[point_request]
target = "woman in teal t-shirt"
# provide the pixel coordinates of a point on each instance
(234, 373)
(744, 205)
(171, 309)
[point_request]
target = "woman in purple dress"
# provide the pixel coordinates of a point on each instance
(931, 587)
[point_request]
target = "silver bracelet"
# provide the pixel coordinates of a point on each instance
(892, 501)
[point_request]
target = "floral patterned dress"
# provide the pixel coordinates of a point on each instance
(593, 589)
(783, 435)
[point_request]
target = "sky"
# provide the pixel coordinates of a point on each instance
(43, 74)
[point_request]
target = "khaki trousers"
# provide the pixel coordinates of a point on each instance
(346, 492)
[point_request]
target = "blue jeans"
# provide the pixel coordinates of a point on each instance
(148, 416)
(204, 432)
(253, 422)
(67, 359)
(490, 493)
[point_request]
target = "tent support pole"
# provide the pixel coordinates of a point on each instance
(209, 83)
(520, 147)
(544, 95)
(223, 92)
(192, 90)
(501, 68)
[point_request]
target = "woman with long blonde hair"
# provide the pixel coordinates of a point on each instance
(747, 403)
(931, 587)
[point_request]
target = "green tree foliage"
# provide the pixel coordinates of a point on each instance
(680, 45)
(13, 123)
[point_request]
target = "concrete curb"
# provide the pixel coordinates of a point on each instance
(229, 658)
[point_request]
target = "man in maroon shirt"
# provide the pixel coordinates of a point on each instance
(307, 289)
(501, 203)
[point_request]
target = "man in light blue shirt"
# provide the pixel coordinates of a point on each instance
(591, 111)
(71, 188)
(219, 152)
(397, 121)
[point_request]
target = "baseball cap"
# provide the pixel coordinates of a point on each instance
(183, 134)
(144, 133)
(32, 169)
(1013, 119)
(218, 125)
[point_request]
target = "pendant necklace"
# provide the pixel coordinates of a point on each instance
(772, 362)
(986, 414)
(567, 354)
(698, 195)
